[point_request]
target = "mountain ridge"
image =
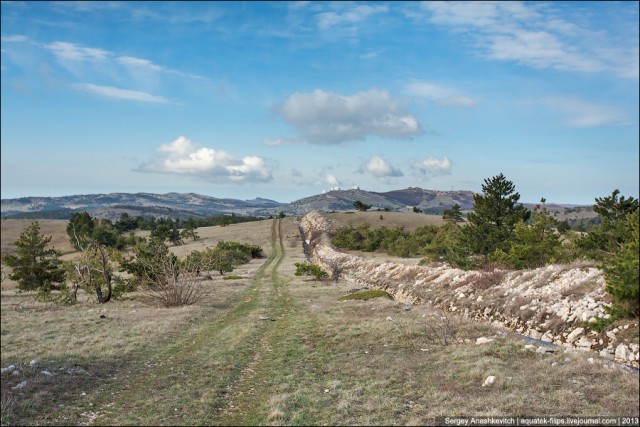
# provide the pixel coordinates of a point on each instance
(183, 205)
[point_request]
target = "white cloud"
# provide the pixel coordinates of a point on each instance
(578, 113)
(380, 167)
(186, 158)
(117, 93)
(443, 96)
(14, 38)
(330, 118)
(353, 15)
(534, 35)
(73, 52)
(433, 166)
(331, 180)
(129, 61)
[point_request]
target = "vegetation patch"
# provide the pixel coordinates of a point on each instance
(366, 295)
(233, 277)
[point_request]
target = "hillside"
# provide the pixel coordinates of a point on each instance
(176, 205)
(185, 205)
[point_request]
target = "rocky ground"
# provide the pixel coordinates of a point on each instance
(552, 303)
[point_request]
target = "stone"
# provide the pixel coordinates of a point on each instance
(591, 360)
(483, 340)
(8, 369)
(389, 318)
(535, 334)
(530, 347)
(584, 343)
(408, 307)
(544, 350)
(23, 384)
(621, 352)
(547, 337)
(46, 373)
(34, 363)
(489, 380)
(16, 373)
(574, 334)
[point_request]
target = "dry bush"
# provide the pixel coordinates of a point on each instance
(173, 285)
(442, 329)
(488, 279)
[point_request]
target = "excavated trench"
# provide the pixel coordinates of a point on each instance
(550, 304)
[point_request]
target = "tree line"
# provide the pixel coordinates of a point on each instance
(104, 252)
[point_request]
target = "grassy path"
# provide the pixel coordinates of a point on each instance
(201, 376)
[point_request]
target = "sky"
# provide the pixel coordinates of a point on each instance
(284, 100)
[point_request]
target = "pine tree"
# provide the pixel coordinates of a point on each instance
(34, 266)
(496, 212)
(453, 215)
(622, 272)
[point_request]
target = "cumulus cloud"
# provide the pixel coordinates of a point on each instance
(443, 96)
(330, 118)
(433, 166)
(578, 113)
(117, 93)
(331, 180)
(380, 167)
(186, 158)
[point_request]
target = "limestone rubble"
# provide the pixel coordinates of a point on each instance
(549, 303)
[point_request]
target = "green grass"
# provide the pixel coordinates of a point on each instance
(366, 295)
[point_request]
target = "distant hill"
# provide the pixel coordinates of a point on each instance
(185, 205)
(176, 205)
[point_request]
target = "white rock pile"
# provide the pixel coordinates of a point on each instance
(548, 303)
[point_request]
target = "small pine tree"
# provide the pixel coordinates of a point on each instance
(34, 266)
(621, 273)
(453, 215)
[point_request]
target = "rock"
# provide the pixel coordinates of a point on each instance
(489, 380)
(46, 373)
(16, 373)
(479, 298)
(102, 316)
(591, 360)
(574, 334)
(389, 318)
(408, 307)
(621, 352)
(264, 318)
(23, 384)
(554, 364)
(611, 335)
(8, 369)
(34, 363)
(585, 315)
(547, 337)
(544, 350)
(584, 343)
(530, 347)
(483, 340)
(535, 334)
(605, 353)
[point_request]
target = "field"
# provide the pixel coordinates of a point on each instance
(271, 348)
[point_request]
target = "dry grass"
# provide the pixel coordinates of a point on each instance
(316, 361)
(56, 228)
(409, 220)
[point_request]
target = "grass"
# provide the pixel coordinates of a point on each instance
(280, 350)
(233, 277)
(366, 295)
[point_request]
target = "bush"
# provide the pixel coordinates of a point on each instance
(366, 295)
(308, 269)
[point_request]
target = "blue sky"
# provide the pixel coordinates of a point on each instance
(286, 100)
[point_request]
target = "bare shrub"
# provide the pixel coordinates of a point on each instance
(488, 279)
(173, 284)
(442, 329)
